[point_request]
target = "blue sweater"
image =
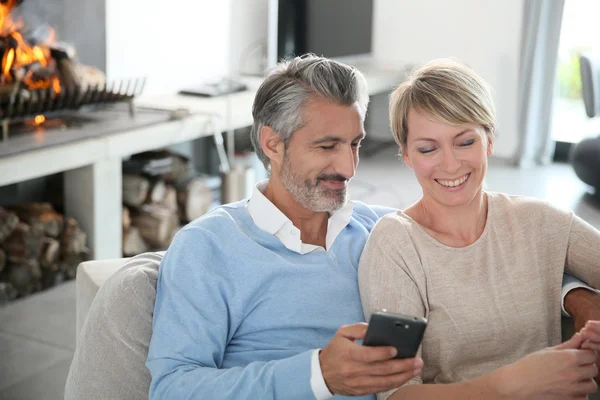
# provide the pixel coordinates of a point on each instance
(237, 314)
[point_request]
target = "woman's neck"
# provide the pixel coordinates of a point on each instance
(453, 226)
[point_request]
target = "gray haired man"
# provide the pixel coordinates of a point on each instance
(259, 299)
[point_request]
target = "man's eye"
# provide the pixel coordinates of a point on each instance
(356, 144)
(327, 147)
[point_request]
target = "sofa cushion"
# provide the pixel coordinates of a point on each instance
(110, 356)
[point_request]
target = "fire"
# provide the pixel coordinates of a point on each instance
(21, 60)
(39, 119)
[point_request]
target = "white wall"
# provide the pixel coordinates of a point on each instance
(484, 34)
(248, 36)
(174, 44)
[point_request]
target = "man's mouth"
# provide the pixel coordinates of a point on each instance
(450, 183)
(334, 182)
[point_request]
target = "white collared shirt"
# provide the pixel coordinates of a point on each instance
(271, 220)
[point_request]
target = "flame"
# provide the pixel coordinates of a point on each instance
(21, 54)
(39, 119)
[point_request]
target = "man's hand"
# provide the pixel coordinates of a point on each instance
(353, 370)
(584, 305)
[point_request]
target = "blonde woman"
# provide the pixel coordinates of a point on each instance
(484, 268)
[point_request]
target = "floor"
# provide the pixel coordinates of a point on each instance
(37, 334)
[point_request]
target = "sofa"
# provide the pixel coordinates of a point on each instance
(115, 304)
(112, 344)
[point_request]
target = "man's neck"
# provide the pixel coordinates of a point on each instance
(312, 225)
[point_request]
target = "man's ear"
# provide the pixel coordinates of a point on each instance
(272, 145)
(405, 157)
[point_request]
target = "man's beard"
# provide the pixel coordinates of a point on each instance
(311, 195)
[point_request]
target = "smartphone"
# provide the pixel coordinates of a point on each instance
(403, 332)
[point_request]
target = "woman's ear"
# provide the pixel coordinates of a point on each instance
(272, 145)
(405, 156)
(490, 145)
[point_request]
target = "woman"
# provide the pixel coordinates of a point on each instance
(484, 268)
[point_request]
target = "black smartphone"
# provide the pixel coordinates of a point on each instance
(403, 332)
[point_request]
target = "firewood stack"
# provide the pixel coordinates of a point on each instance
(160, 194)
(39, 248)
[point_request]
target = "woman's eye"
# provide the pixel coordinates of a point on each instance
(467, 142)
(426, 150)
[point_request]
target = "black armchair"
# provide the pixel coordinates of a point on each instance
(585, 156)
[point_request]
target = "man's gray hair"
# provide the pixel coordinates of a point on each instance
(280, 99)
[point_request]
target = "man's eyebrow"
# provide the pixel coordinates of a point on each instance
(327, 139)
(336, 139)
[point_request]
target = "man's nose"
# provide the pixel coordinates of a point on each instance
(345, 163)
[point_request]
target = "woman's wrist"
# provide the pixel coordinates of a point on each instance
(502, 384)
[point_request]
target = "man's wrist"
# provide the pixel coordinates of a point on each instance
(580, 302)
(317, 380)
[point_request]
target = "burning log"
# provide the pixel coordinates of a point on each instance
(157, 225)
(73, 240)
(67, 70)
(60, 51)
(42, 216)
(8, 223)
(135, 190)
(133, 243)
(194, 198)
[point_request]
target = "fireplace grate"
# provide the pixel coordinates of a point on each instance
(23, 105)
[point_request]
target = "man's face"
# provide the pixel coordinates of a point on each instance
(321, 157)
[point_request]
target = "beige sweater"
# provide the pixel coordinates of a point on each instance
(490, 303)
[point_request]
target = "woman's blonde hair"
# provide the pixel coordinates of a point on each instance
(446, 91)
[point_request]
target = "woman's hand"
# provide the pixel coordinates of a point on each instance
(591, 335)
(584, 305)
(565, 371)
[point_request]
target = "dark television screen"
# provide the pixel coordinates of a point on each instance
(330, 28)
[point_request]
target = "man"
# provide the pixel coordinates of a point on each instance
(249, 294)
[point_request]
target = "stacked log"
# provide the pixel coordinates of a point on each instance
(159, 196)
(39, 248)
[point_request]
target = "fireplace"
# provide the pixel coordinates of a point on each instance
(41, 80)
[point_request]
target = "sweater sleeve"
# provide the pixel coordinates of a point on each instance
(195, 317)
(388, 279)
(583, 252)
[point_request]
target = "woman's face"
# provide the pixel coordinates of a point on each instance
(449, 161)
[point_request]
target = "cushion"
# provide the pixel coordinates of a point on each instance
(110, 356)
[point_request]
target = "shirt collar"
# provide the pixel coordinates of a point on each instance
(271, 220)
